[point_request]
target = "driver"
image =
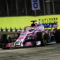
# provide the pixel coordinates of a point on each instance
(33, 24)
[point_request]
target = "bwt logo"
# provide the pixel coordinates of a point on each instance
(35, 5)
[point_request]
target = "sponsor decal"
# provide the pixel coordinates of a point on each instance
(35, 4)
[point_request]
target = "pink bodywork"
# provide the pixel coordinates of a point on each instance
(11, 45)
(55, 26)
(27, 33)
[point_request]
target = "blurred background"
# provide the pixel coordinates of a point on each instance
(24, 8)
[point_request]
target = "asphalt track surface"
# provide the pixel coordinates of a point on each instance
(49, 52)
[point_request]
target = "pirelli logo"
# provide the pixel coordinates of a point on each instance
(35, 4)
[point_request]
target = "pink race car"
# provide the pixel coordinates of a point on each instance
(29, 36)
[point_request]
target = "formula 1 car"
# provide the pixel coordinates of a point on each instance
(31, 36)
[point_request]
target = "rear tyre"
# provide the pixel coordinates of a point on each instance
(57, 36)
(3, 46)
